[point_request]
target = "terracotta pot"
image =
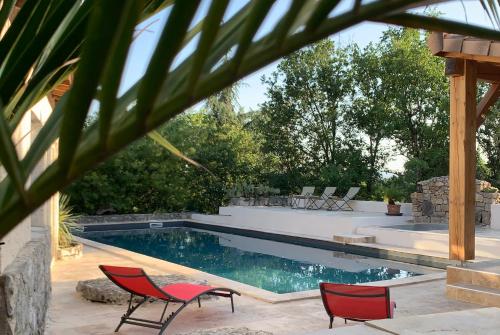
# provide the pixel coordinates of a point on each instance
(393, 209)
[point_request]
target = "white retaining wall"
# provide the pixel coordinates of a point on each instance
(495, 216)
(304, 223)
(377, 206)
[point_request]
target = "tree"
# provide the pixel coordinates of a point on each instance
(489, 142)
(307, 96)
(146, 178)
(371, 108)
(419, 100)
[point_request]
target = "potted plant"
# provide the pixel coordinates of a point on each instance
(393, 196)
(68, 247)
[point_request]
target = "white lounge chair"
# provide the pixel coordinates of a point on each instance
(302, 198)
(341, 204)
(321, 201)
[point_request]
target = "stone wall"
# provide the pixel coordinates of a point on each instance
(132, 217)
(430, 202)
(25, 288)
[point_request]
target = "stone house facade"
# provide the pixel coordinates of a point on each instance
(430, 202)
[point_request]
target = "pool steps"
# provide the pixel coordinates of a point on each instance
(477, 283)
(353, 238)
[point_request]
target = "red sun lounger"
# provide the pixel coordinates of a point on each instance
(356, 302)
(137, 283)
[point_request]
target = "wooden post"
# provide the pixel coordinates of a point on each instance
(462, 177)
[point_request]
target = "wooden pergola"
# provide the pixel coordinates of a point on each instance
(468, 60)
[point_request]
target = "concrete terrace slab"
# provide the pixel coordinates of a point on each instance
(433, 241)
(69, 314)
(484, 321)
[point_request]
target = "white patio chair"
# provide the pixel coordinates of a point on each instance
(303, 197)
(341, 204)
(325, 198)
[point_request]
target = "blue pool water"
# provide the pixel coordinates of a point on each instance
(273, 266)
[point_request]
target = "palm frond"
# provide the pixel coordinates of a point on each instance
(48, 41)
(493, 10)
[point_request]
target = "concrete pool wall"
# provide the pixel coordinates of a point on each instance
(321, 225)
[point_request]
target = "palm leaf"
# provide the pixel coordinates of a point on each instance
(162, 141)
(492, 9)
(51, 40)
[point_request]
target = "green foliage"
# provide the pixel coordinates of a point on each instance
(489, 142)
(251, 191)
(393, 194)
(333, 117)
(147, 178)
(67, 222)
(419, 98)
(301, 119)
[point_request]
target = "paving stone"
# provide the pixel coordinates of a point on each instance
(228, 331)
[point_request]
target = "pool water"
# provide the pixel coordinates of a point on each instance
(273, 266)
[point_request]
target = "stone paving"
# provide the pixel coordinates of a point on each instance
(70, 314)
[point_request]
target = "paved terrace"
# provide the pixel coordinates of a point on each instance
(70, 314)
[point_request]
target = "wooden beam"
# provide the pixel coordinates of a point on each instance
(489, 99)
(479, 58)
(462, 177)
(454, 67)
(488, 72)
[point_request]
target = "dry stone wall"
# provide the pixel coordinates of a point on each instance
(25, 289)
(430, 202)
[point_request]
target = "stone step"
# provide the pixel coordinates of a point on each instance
(353, 238)
(474, 294)
(483, 274)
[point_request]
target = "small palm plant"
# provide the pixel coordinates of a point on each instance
(68, 222)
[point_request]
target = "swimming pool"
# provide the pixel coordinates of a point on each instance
(273, 266)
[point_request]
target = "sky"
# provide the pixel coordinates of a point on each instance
(252, 91)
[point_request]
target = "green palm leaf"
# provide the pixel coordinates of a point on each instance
(51, 40)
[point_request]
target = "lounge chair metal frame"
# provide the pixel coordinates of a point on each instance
(325, 292)
(307, 192)
(325, 198)
(344, 201)
(163, 323)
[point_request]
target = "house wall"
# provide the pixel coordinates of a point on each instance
(47, 215)
(25, 257)
(30, 247)
(21, 234)
(495, 216)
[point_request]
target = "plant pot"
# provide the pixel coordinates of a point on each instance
(71, 252)
(394, 210)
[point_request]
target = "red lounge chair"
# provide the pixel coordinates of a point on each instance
(137, 283)
(356, 303)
